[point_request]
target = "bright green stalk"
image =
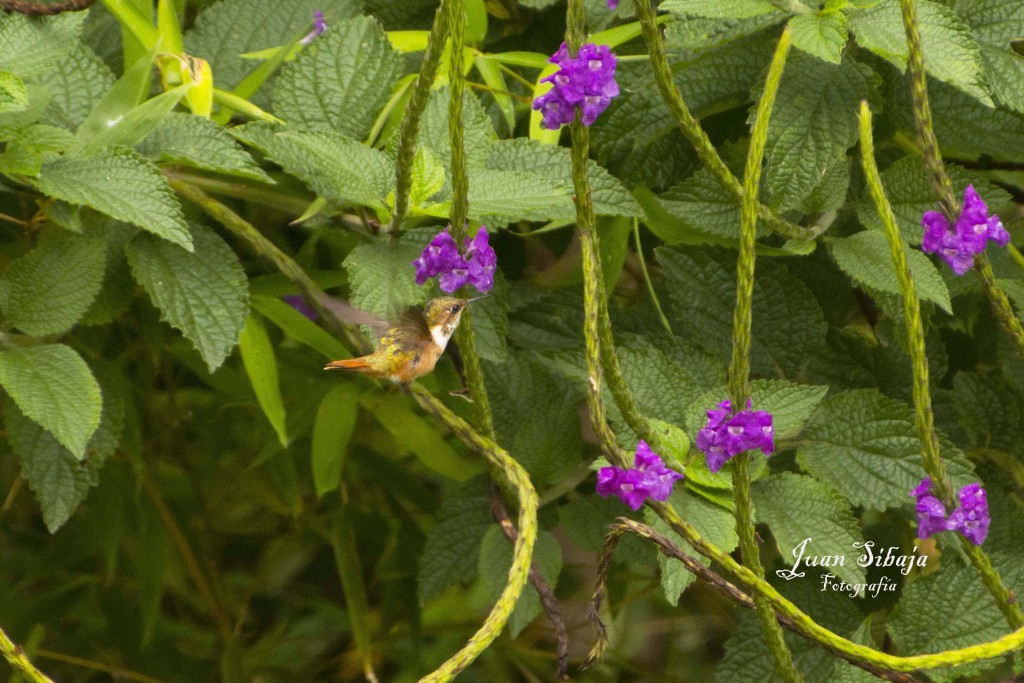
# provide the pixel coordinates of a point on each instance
(691, 128)
(924, 418)
(941, 184)
(739, 367)
(414, 110)
(511, 474)
(19, 661)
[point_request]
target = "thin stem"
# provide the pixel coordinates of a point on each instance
(739, 367)
(19, 661)
(691, 127)
(116, 672)
(647, 276)
(410, 127)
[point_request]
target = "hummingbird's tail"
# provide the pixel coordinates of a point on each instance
(357, 364)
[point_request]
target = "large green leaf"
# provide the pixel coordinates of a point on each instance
(122, 185)
(332, 429)
(864, 445)
(820, 35)
(382, 277)
(261, 366)
(53, 386)
(950, 54)
(994, 24)
(866, 258)
(202, 293)
(340, 81)
(796, 508)
(31, 46)
(498, 198)
(200, 143)
(719, 9)
(52, 286)
(77, 85)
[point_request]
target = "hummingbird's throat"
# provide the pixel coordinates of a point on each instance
(441, 334)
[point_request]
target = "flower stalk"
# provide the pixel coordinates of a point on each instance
(19, 661)
(924, 418)
(739, 366)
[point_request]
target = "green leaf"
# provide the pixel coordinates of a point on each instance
(337, 168)
(701, 205)
(477, 130)
(864, 445)
(796, 508)
(719, 9)
(13, 95)
(127, 92)
(427, 177)
(788, 325)
(31, 46)
(122, 185)
(495, 562)
(820, 35)
(950, 54)
(53, 386)
(261, 366)
(299, 327)
(910, 194)
(966, 128)
(990, 410)
(200, 143)
(382, 277)
(228, 29)
(674, 441)
(610, 196)
(715, 524)
(332, 430)
(340, 81)
(130, 128)
(946, 610)
(866, 258)
(490, 322)
(52, 286)
(453, 542)
(202, 293)
(701, 33)
(498, 198)
(77, 85)
(13, 123)
(995, 24)
(812, 125)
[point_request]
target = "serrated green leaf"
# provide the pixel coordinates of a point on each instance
(820, 35)
(950, 54)
(674, 441)
(12, 123)
(812, 125)
(382, 277)
(495, 561)
(76, 86)
(490, 322)
(477, 129)
(200, 143)
(866, 258)
(702, 33)
(864, 445)
(31, 46)
(947, 610)
(796, 508)
(712, 522)
(53, 386)
(719, 9)
(453, 542)
(13, 95)
(610, 196)
(261, 366)
(122, 185)
(332, 429)
(427, 177)
(995, 24)
(788, 325)
(990, 410)
(340, 81)
(966, 128)
(53, 285)
(230, 28)
(702, 205)
(202, 293)
(498, 198)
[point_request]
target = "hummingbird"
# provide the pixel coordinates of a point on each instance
(411, 347)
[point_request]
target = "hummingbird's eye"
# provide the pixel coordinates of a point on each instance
(456, 308)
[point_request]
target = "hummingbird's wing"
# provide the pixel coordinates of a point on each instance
(356, 316)
(414, 323)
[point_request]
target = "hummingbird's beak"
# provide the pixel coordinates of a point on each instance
(476, 298)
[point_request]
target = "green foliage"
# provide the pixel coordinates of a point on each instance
(496, 558)
(199, 143)
(821, 35)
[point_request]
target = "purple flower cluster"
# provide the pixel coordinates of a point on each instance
(586, 81)
(298, 302)
(648, 478)
(970, 518)
(443, 258)
(319, 26)
(613, 4)
(726, 435)
(974, 228)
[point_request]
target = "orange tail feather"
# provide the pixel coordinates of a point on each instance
(357, 364)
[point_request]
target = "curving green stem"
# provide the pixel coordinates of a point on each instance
(739, 367)
(19, 661)
(510, 473)
(924, 418)
(941, 184)
(410, 127)
(691, 127)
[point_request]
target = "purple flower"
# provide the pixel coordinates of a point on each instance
(725, 435)
(586, 81)
(319, 26)
(970, 518)
(442, 258)
(648, 478)
(613, 4)
(974, 228)
(298, 302)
